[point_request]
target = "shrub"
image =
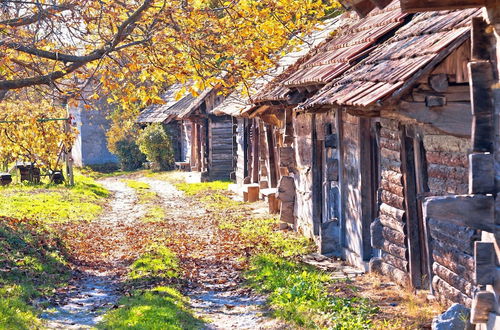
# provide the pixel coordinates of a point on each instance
(130, 156)
(156, 144)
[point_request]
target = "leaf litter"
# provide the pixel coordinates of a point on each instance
(102, 250)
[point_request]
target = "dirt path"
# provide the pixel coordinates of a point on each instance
(101, 256)
(213, 269)
(103, 249)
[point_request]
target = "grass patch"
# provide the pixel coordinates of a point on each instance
(159, 262)
(173, 177)
(54, 203)
(160, 305)
(299, 294)
(192, 189)
(263, 236)
(150, 199)
(32, 265)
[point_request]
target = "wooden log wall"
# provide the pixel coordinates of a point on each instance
(220, 136)
(452, 245)
(389, 232)
(447, 164)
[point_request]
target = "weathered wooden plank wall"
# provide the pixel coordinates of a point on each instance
(242, 149)
(302, 124)
(220, 137)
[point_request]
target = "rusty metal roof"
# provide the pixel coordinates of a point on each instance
(353, 41)
(426, 38)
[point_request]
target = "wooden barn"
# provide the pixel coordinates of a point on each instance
(317, 211)
(402, 119)
(204, 140)
(477, 210)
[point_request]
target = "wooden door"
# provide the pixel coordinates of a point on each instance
(359, 171)
(330, 227)
(317, 177)
(415, 185)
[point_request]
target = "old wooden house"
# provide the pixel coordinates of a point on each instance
(316, 210)
(478, 210)
(261, 138)
(387, 161)
(402, 122)
(203, 140)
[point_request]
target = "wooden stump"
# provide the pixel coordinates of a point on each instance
(252, 193)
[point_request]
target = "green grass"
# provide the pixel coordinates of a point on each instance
(32, 265)
(161, 306)
(192, 189)
(146, 196)
(158, 262)
(298, 294)
(54, 203)
(263, 236)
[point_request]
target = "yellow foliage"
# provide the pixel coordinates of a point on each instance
(171, 41)
(28, 134)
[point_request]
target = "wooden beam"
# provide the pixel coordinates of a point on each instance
(415, 6)
(484, 259)
(473, 211)
(482, 40)
(481, 173)
(453, 118)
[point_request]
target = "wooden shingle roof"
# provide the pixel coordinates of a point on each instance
(159, 113)
(338, 55)
(396, 64)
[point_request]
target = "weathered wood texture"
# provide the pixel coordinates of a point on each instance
(302, 173)
(447, 164)
(388, 231)
(220, 153)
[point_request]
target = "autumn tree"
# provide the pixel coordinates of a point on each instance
(61, 43)
(34, 130)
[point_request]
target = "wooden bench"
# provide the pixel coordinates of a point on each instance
(183, 166)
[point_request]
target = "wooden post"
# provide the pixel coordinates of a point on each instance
(67, 150)
(255, 152)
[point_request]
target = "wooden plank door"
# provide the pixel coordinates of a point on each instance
(331, 240)
(415, 185)
(358, 193)
(317, 177)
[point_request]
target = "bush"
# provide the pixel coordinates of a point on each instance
(130, 156)
(157, 145)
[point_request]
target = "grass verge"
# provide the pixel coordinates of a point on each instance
(297, 293)
(32, 265)
(54, 203)
(158, 304)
